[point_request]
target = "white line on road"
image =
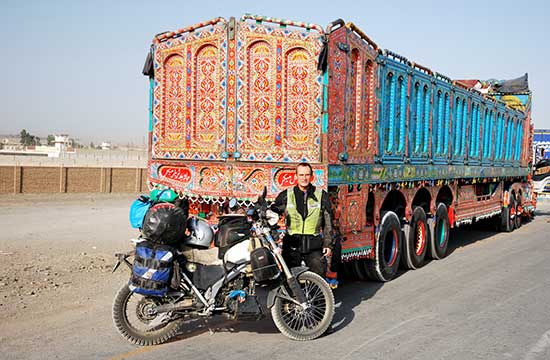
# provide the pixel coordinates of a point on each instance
(540, 347)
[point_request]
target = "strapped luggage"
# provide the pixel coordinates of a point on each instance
(164, 223)
(152, 269)
(138, 209)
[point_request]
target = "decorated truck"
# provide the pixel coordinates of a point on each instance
(404, 152)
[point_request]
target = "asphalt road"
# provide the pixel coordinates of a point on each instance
(489, 299)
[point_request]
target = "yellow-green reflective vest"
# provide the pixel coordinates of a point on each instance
(311, 224)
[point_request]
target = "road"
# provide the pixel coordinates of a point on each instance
(489, 299)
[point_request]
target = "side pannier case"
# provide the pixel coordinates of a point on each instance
(264, 266)
(152, 269)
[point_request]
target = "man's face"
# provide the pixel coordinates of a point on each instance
(304, 176)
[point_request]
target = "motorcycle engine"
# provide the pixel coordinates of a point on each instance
(242, 304)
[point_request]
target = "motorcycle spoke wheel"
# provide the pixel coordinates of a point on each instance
(309, 323)
(135, 319)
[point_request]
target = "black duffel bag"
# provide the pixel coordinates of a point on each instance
(164, 223)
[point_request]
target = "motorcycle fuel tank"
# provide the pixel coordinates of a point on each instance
(239, 253)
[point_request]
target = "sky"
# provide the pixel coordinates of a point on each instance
(74, 67)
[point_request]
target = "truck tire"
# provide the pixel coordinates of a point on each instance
(506, 219)
(440, 239)
(360, 269)
(517, 217)
(415, 246)
(347, 270)
(385, 264)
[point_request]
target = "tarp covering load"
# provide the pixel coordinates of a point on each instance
(515, 92)
(514, 86)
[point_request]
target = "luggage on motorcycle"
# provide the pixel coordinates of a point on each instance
(138, 209)
(164, 223)
(232, 229)
(264, 266)
(152, 269)
(143, 203)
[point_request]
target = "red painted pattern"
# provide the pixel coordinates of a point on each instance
(182, 175)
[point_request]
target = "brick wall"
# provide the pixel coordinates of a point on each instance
(43, 179)
(7, 179)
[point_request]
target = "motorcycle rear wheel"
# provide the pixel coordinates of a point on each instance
(308, 324)
(132, 314)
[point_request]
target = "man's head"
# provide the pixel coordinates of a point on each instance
(304, 174)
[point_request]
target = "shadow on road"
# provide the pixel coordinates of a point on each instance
(220, 324)
(468, 235)
(349, 295)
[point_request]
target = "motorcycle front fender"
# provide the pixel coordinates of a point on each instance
(296, 272)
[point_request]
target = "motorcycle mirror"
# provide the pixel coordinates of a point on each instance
(233, 204)
(261, 198)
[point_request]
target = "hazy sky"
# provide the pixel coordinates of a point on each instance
(75, 66)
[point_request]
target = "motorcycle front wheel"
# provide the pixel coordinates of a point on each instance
(311, 322)
(134, 317)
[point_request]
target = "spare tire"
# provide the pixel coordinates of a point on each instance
(164, 223)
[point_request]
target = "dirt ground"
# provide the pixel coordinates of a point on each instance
(51, 260)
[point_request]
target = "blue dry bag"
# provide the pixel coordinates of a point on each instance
(138, 209)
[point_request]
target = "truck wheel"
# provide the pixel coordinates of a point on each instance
(517, 217)
(343, 270)
(506, 216)
(440, 240)
(387, 251)
(359, 269)
(416, 246)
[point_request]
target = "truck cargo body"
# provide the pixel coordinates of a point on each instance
(236, 104)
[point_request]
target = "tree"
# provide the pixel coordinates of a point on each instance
(50, 140)
(27, 139)
(92, 146)
(24, 137)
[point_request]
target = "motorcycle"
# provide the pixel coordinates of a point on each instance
(301, 302)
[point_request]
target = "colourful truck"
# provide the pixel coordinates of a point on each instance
(405, 152)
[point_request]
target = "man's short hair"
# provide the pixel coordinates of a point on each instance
(305, 164)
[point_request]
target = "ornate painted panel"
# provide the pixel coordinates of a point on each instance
(214, 182)
(279, 94)
(361, 104)
(189, 95)
(337, 68)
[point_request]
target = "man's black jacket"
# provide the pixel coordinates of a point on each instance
(279, 206)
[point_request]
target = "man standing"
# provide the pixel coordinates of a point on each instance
(308, 222)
